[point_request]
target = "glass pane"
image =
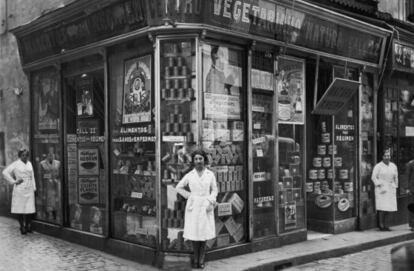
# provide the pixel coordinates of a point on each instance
(321, 173)
(224, 139)
(368, 144)
(344, 162)
(133, 151)
(179, 133)
(291, 102)
(85, 123)
(406, 136)
(47, 145)
(264, 219)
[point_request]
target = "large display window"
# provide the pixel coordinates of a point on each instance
(398, 127)
(85, 144)
(291, 143)
(132, 149)
(178, 131)
(332, 168)
(223, 137)
(263, 144)
(47, 144)
(367, 145)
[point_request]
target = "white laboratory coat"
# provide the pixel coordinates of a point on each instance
(23, 198)
(386, 194)
(199, 222)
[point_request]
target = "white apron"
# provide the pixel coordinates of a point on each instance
(199, 224)
(23, 198)
(386, 195)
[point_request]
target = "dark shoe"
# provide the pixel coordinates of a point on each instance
(22, 230)
(29, 228)
(201, 265)
(386, 229)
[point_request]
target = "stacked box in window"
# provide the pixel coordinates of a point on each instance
(237, 203)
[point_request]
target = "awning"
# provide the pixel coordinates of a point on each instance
(338, 94)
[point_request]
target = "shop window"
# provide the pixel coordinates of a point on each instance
(291, 129)
(367, 145)
(332, 170)
(223, 137)
(179, 134)
(263, 144)
(85, 146)
(133, 165)
(47, 144)
(2, 150)
(396, 8)
(398, 128)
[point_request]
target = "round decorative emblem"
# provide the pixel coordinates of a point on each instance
(343, 204)
(323, 201)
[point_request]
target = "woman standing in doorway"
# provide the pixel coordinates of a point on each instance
(20, 174)
(385, 178)
(199, 225)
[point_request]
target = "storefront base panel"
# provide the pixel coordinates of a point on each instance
(334, 227)
(401, 216)
(118, 248)
(368, 222)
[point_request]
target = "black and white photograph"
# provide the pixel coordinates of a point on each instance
(219, 135)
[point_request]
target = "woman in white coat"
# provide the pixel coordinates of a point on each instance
(385, 178)
(199, 225)
(20, 174)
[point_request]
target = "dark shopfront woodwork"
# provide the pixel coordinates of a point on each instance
(295, 25)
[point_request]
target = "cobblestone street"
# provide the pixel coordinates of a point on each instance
(377, 259)
(36, 251)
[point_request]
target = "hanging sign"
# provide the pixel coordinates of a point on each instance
(338, 94)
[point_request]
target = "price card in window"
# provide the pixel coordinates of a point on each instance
(136, 195)
(259, 152)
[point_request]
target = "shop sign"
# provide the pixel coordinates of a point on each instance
(88, 161)
(266, 18)
(112, 20)
(338, 94)
(403, 57)
(88, 190)
(162, 11)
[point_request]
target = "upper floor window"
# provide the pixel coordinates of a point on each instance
(396, 8)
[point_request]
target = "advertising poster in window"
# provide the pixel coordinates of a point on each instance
(46, 86)
(84, 97)
(88, 190)
(290, 216)
(88, 161)
(137, 90)
(290, 90)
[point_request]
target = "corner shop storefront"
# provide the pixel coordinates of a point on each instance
(123, 91)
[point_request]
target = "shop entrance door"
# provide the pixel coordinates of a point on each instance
(85, 146)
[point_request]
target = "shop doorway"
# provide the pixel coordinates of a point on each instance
(85, 162)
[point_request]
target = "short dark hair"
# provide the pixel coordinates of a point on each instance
(20, 152)
(199, 152)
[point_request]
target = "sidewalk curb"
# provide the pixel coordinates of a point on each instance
(337, 252)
